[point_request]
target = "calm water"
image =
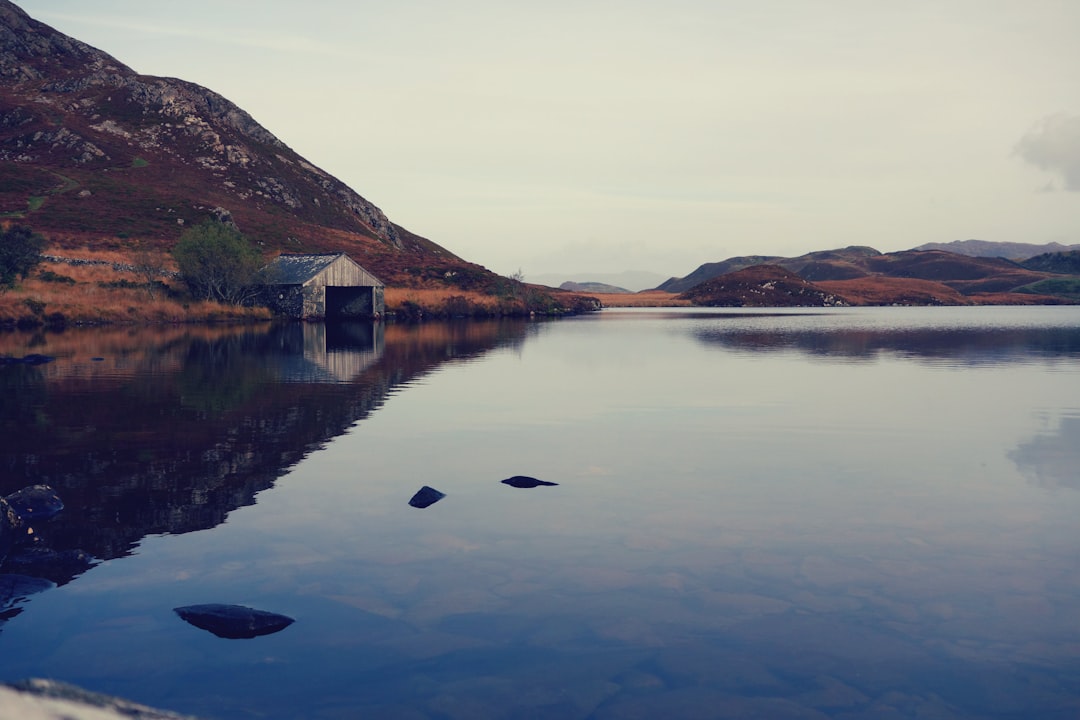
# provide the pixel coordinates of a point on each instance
(865, 513)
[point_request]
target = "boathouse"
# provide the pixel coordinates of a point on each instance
(315, 287)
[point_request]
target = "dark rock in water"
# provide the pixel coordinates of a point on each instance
(35, 502)
(10, 528)
(425, 497)
(233, 621)
(524, 481)
(31, 359)
(14, 588)
(36, 359)
(60, 567)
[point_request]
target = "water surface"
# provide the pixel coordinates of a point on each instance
(858, 513)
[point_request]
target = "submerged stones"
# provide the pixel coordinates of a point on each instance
(524, 482)
(426, 497)
(234, 622)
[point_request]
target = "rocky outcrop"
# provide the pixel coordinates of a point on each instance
(761, 286)
(65, 103)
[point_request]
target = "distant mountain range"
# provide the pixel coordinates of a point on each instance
(1010, 250)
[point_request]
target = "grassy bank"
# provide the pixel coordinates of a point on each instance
(60, 294)
(104, 289)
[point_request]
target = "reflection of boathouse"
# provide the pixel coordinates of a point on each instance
(328, 353)
(312, 287)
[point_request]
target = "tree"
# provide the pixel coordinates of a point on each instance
(20, 252)
(217, 262)
(150, 266)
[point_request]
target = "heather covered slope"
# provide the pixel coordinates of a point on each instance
(95, 155)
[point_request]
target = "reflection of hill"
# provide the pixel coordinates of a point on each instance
(965, 346)
(170, 433)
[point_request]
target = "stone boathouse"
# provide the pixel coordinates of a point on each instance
(315, 287)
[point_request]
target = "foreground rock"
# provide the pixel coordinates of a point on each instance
(524, 482)
(51, 700)
(35, 502)
(234, 622)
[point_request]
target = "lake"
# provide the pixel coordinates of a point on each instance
(848, 513)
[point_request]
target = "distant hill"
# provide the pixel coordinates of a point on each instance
(1065, 263)
(841, 264)
(761, 286)
(592, 287)
(861, 275)
(632, 280)
(985, 248)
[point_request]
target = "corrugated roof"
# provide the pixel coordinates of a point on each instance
(297, 269)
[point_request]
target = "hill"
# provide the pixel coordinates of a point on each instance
(592, 287)
(986, 248)
(761, 286)
(95, 155)
(862, 275)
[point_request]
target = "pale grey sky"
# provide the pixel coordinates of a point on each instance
(603, 136)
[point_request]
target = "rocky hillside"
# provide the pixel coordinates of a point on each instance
(761, 286)
(93, 154)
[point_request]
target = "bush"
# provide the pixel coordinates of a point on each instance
(20, 252)
(217, 263)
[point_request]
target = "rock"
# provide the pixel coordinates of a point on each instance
(426, 497)
(9, 528)
(51, 700)
(35, 502)
(523, 481)
(233, 621)
(31, 359)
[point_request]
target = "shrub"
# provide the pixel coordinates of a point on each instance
(217, 263)
(20, 252)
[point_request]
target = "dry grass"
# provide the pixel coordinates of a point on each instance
(395, 298)
(648, 298)
(86, 302)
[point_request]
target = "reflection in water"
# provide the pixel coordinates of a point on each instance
(1052, 460)
(961, 346)
(174, 430)
(735, 531)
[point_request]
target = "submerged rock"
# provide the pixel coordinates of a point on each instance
(31, 359)
(234, 622)
(35, 502)
(425, 497)
(524, 481)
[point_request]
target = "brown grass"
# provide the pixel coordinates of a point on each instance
(85, 302)
(396, 297)
(647, 298)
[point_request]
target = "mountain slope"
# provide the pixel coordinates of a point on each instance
(90, 151)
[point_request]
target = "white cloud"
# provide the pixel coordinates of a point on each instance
(1054, 145)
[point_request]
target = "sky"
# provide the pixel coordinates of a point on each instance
(603, 136)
